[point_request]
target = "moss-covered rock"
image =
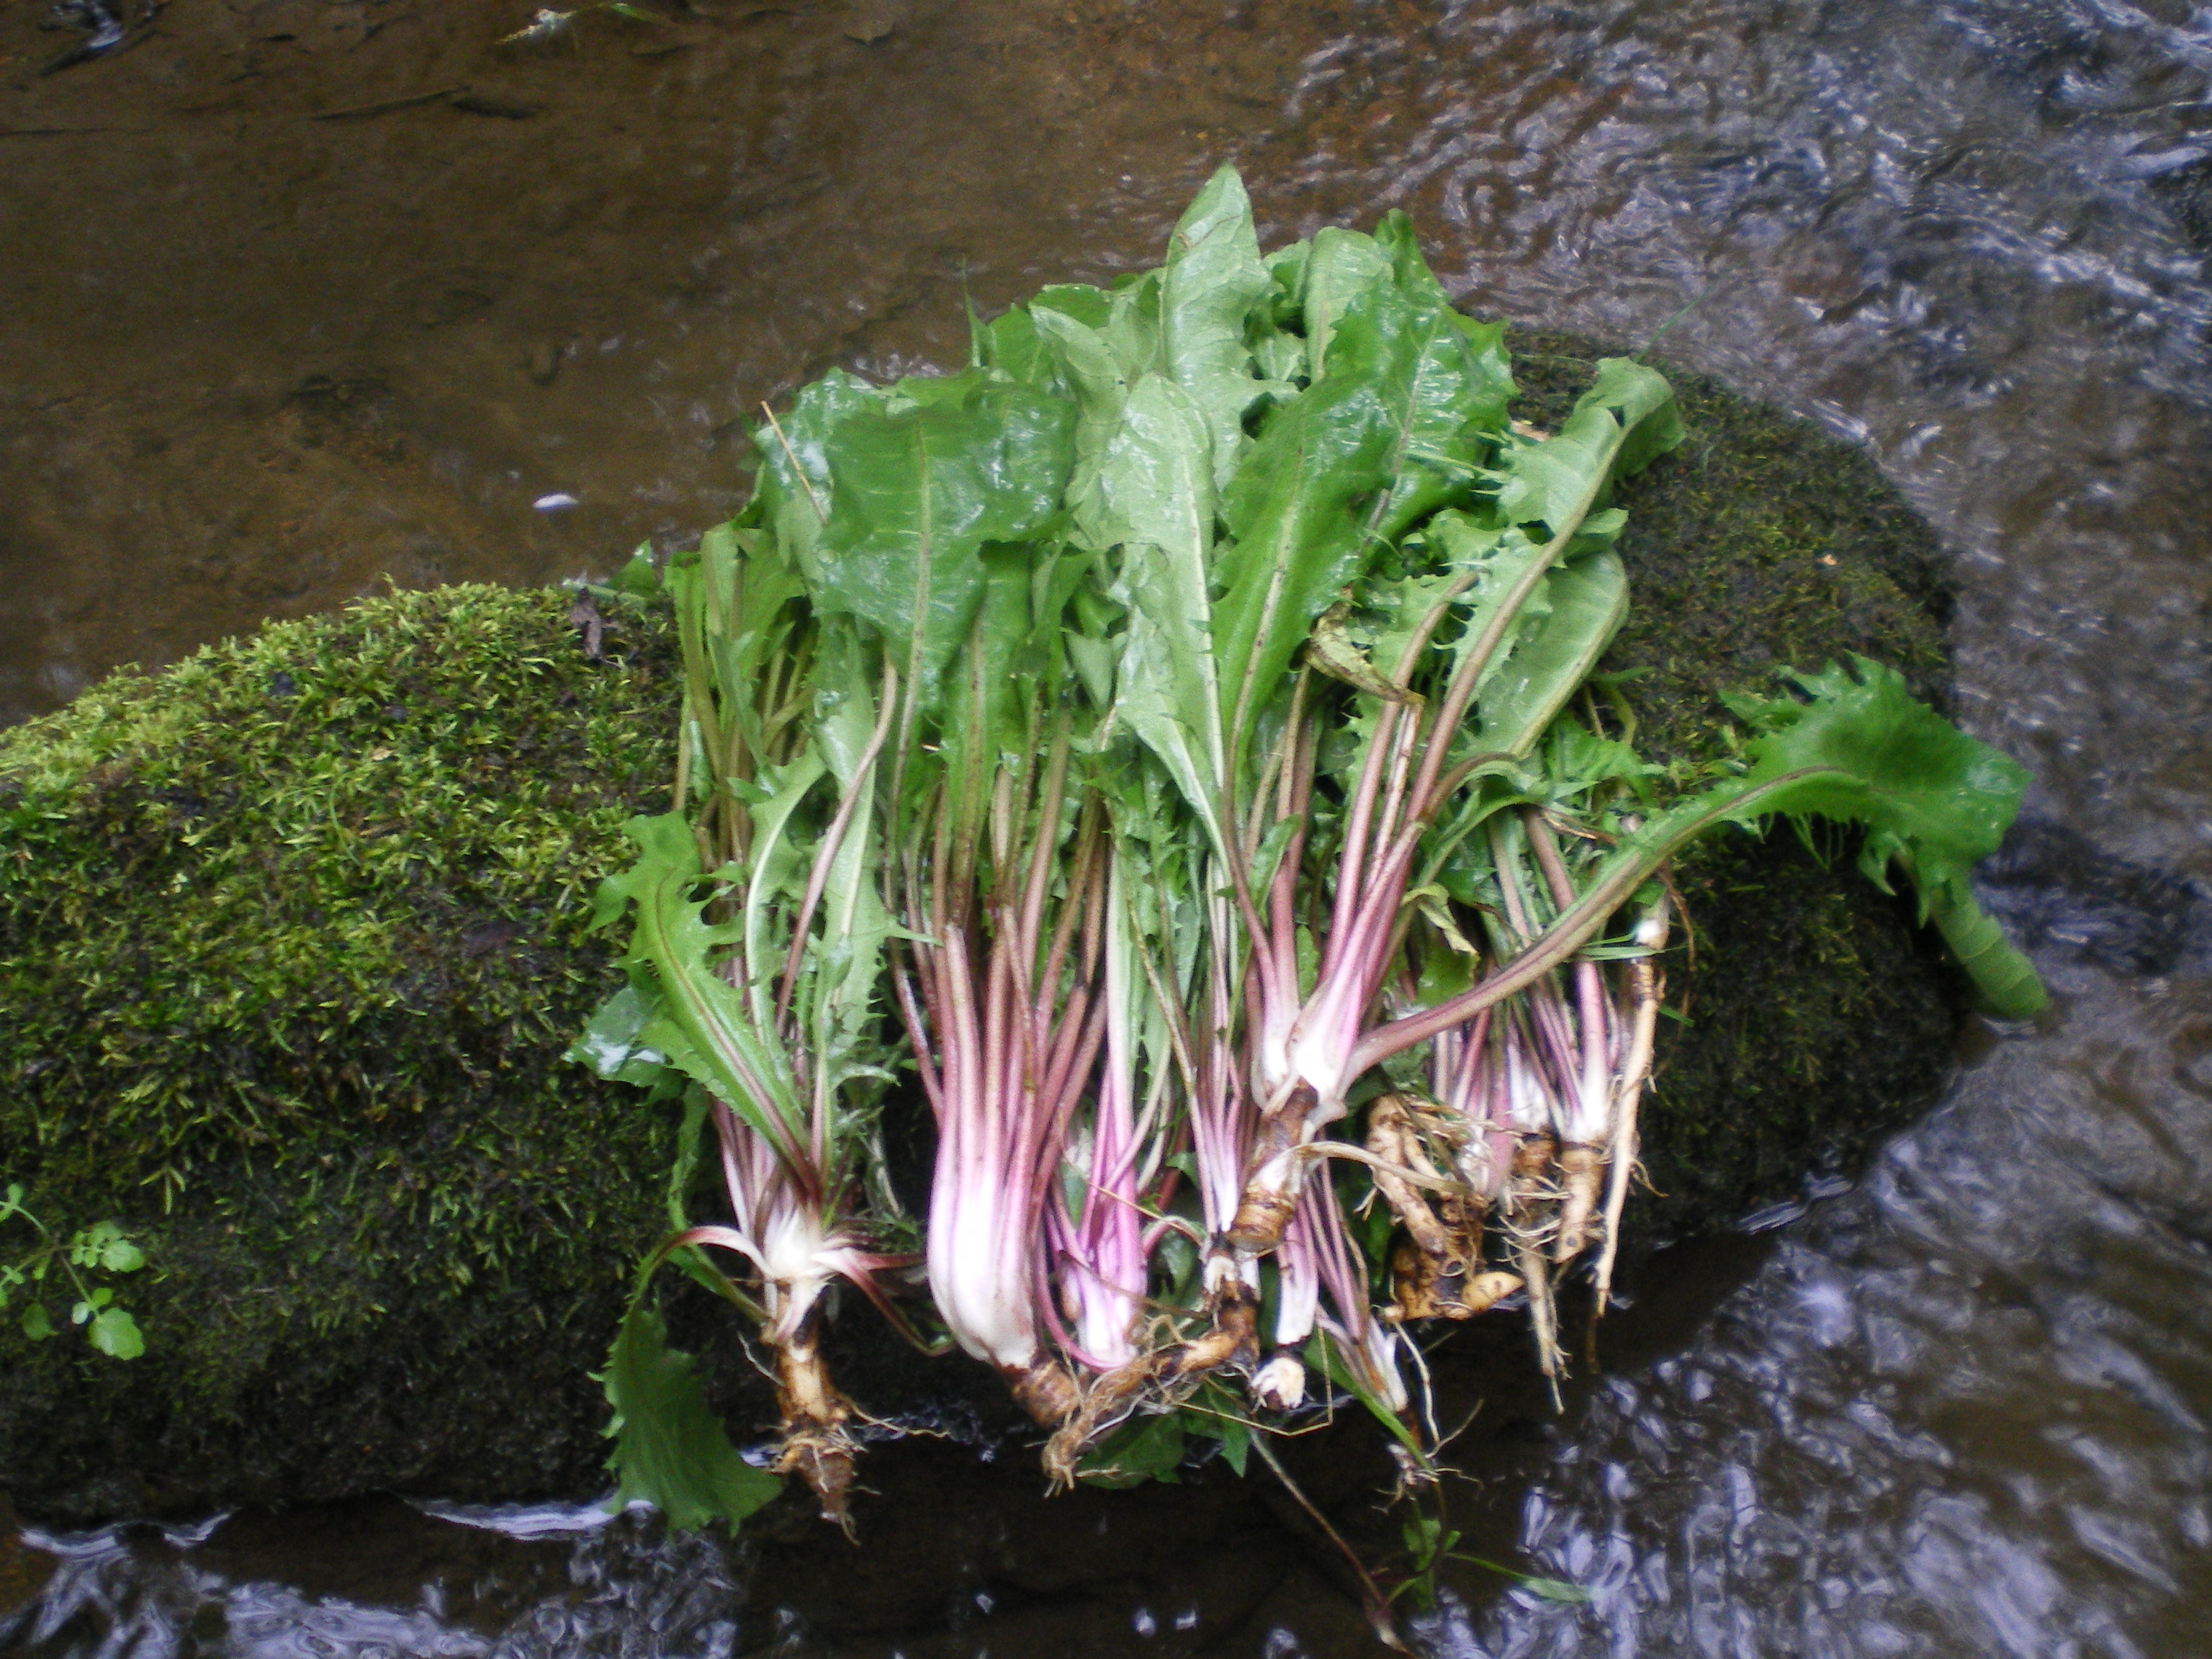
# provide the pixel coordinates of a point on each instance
(1815, 1016)
(292, 937)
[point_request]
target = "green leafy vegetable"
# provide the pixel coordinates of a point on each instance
(1172, 740)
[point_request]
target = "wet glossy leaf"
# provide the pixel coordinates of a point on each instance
(1213, 280)
(670, 1450)
(1157, 485)
(917, 494)
(1567, 626)
(613, 1044)
(1341, 266)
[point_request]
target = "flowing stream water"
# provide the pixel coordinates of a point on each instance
(296, 295)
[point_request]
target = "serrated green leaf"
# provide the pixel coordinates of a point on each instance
(671, 1451)
(1934, 800)
(702, 1024)
(120, 1256)
(116, 1334)
(1626, 420)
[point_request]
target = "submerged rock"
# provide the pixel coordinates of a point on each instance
(293, 936)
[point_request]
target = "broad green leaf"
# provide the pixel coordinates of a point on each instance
(918, 493)
(1157, 485)
(1564, 631)
(1643, 403)
(796, 490)
(1341, 266)
(36, 1323)
(1009, 344)
(671, 1451)
(641, 577)
(1450, 391)
(1100, 381)
(1211, 282)
(1625, 421)
(613, 1045)
(116, 1334)
(1147, 1449)
(1079, 301)
(1295, 534)
(1286, 269)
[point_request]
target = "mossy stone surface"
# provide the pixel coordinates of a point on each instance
(292, 937)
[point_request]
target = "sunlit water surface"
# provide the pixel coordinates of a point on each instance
(1960, 1410)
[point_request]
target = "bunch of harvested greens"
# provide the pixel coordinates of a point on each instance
(1170, 739)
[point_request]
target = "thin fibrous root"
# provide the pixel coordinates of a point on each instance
(1582, 1178)
(822, 1457)
(1232, 1339)
(816, 1446)
(1531, 1196)
(1044, 1390)
(1107, 1401)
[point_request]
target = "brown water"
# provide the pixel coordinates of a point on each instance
(255, 360)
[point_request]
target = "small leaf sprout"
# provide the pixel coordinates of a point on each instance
(77, 1261)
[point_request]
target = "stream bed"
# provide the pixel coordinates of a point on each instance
(297, 296)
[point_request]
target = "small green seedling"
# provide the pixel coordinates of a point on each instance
(78, 1259)
(1430, 1544)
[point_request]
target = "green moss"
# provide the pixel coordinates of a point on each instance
(292, 939)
